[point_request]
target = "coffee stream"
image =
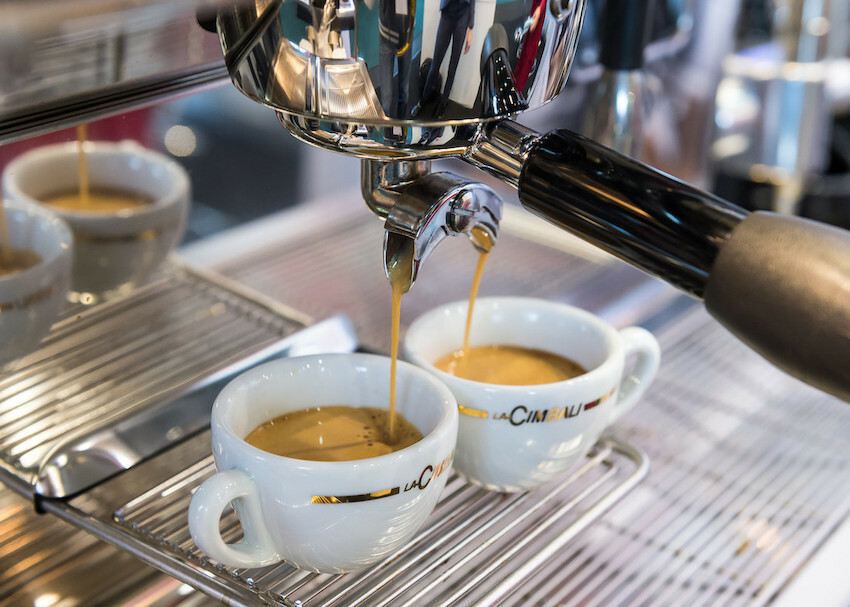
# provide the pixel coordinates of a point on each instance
(505, 365)
(339, 433)
(483, 243)
(82, 166)
(400, 272)
(83, 198)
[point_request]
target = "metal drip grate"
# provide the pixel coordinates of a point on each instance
(478, 547)
(750, 468)
(751, 473)
(100, 365)
(40, 555)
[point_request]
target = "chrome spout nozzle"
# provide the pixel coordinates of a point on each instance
(422, 208)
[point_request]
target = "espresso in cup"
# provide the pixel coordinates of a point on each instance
(334, 434)
(97, 201)
(17, 260)
(509, 365)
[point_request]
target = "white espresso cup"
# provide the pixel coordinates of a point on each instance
(329, 517)
(113, 251)
(514, 438)
(31, 299)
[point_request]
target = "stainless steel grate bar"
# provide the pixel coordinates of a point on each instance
(741, 454)
(712, 425)
(136, 372)
(690, 556)
(103, 364)
(469, 527)
(768, 543)
(528, 564)
(40, 555)
(461, 509)
(728, 460)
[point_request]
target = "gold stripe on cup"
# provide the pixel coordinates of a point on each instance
(360, 497)
(29, 300)
(139, 237)
(472, 412)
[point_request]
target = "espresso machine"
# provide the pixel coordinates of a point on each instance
(313, 72)
(366, 79)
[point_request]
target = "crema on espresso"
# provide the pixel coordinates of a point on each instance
(509, 365)
(334, 434)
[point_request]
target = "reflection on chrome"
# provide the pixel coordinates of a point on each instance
(386, 63)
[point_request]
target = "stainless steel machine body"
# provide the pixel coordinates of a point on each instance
(747, 477)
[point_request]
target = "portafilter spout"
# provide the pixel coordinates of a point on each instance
(421, 208)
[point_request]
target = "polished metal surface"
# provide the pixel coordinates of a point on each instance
(46, 561)
(101, 368)
(661, 225)
(750, 470)
(774, 101)
(476, 546)
(91, 457)
(502, 149)
(68, 62)
(421, 208)
(617, 111)
(369, 78)
(750, 476)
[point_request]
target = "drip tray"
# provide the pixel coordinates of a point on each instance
(119, 382)
(106, 426)
(477, 547)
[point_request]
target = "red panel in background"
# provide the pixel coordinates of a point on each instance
(133, 125)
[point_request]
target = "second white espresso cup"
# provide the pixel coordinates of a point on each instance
(514, 438)
(113, 251)
(329, 517)
(32, 299)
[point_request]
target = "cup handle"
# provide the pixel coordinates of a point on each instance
(210, 500)
(642, 343)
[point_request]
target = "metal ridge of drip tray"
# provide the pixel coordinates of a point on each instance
(119, 382)
(477, 547)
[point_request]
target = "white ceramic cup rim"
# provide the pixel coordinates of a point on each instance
(59, 248)
(176, 191)
(222, 411)
(426, 324)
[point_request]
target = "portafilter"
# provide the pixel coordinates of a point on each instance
(398, 82)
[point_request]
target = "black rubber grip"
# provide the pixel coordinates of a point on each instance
(782, 285)
(651, 220)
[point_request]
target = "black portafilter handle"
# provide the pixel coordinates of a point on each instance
(781, 284)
